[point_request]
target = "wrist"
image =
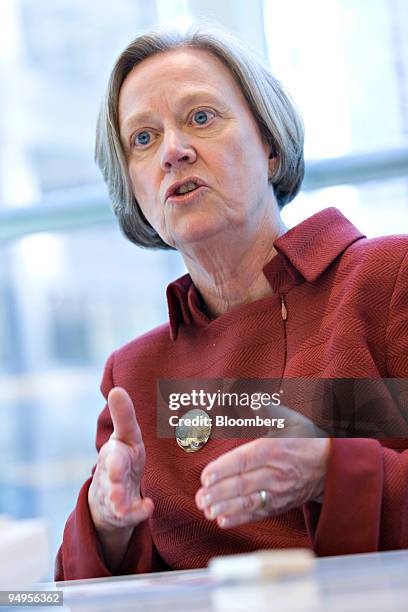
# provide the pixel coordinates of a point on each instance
(318, 493)
(114, 543)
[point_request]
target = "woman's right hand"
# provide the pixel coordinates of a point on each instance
(114, 499)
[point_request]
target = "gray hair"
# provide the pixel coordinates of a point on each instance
(278, 120)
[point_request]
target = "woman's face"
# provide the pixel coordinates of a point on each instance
(196, 159)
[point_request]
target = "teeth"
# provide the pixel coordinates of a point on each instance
(186, 188)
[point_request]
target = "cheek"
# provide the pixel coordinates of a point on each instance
(244, 166)
(228, 162)
(144, 192)
(138, 183)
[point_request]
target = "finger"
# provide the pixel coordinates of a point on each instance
(242, 459)
(135, 512)
(236, 486)
(117, 495)
(238, 507)
(233, 520)
(144, 507)
(125, 425)
(117, 463)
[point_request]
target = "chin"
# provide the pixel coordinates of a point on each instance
(187, 233)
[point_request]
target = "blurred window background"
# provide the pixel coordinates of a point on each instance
(72, 289)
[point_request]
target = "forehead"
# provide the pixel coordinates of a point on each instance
(174, 74)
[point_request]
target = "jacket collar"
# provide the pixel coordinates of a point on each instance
(303, 254)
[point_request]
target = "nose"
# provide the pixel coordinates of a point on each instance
(176, 151)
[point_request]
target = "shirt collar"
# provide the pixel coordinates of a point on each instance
(303, 254)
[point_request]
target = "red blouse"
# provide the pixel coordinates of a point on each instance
(347, 304)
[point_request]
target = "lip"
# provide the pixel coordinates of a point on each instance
(171, 191)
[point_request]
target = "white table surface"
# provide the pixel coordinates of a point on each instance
(353, 583)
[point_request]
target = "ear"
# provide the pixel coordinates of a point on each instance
(272, 161)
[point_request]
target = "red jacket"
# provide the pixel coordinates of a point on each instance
(347, 303)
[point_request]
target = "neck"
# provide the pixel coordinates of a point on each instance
(228, 272)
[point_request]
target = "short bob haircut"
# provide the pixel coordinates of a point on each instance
(277, 118)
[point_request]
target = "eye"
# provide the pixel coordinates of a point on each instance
(201, 117)
(142, 138)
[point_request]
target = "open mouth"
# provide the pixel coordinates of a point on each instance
(186, 188)
(185, 191)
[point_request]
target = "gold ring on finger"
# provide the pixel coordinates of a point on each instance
(262, 495)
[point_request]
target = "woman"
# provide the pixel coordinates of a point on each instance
(201, 148)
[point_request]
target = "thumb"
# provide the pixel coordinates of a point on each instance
(125, 425)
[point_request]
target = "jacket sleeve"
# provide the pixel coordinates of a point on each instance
(80, 555)
(365, 504)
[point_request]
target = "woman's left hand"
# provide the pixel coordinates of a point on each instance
(291, 471)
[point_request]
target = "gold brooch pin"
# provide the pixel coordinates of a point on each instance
(193, 430)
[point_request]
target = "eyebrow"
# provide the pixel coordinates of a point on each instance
(187, 100)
